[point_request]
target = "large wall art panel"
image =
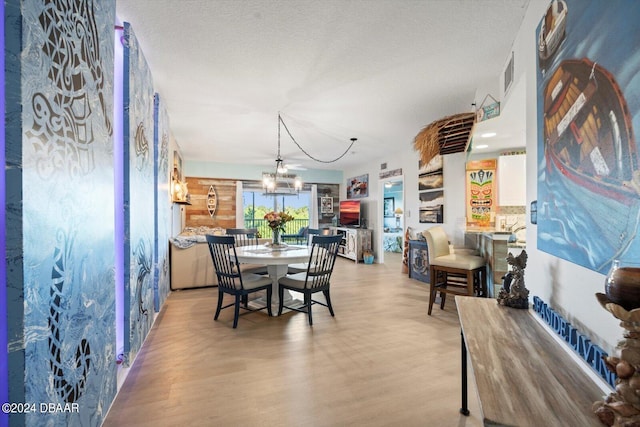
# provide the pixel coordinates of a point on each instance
(68, 209)
(162, 204)
(588, 84)
(139, 185)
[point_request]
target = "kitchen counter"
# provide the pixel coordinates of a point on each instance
(494, 247)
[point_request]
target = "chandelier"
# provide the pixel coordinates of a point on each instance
(279, 182)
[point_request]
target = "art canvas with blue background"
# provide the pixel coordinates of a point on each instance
(140, 192)
(67, 160)
(161, 286)
(588, 87)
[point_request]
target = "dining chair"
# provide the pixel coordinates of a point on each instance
(315, 279)
(452, 271)
(232, 280)
(312, 232)
(247, 237)
(244, 236)
(302, 267)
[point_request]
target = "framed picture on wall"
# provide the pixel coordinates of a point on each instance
(432, 207)
(389, 207)
(430, 176)
(177, 166)
(326, 205)
(358, 187)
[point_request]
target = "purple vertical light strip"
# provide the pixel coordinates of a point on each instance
(4, 368)
(118, 173)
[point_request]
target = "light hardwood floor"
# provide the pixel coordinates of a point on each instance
(381, 361)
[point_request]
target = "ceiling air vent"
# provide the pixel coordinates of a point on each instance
(383, 166)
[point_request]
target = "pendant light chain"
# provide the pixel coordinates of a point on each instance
(353, 140)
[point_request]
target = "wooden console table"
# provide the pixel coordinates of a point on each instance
(523, 376)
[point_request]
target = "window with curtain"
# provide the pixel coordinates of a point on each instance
(255, 205)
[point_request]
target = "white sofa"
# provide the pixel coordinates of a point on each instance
(192, 267)
(190, 260)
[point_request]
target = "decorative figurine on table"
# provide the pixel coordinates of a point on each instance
(514, 293)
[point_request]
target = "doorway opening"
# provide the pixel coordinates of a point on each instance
(391, 220)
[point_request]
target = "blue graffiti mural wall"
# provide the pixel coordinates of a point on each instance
(588, 84)
(162, 203)
(139, 184)
(67, 159)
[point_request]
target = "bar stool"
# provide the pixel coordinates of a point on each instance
(451, 272)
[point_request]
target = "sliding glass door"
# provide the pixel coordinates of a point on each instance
(255, 205)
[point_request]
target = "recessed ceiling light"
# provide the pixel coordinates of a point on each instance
(488, 135)
(481, 146)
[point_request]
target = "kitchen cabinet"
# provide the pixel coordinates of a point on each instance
(493, 248)
(512, 183)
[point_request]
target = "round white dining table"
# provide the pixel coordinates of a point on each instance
(277, 262)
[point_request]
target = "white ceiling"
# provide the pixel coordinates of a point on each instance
(376, 70)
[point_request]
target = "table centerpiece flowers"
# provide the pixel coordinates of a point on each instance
(277, 221)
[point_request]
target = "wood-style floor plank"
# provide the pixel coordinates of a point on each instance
(381, 361)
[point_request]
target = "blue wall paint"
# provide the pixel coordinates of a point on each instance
(68, 199)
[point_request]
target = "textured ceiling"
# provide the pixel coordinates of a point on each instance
(375, 70)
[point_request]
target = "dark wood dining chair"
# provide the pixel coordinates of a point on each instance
(315, 279)
(233, 281)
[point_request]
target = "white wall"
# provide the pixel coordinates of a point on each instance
(407, 160)
(568, 288)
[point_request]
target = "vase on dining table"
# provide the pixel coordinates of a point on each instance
(276, 240)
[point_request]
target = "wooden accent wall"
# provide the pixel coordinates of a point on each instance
(197, 213)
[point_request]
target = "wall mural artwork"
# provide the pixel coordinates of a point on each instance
(588, 85)
(161, 285)
(63, 130)
(67, 161)
(140, 185)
